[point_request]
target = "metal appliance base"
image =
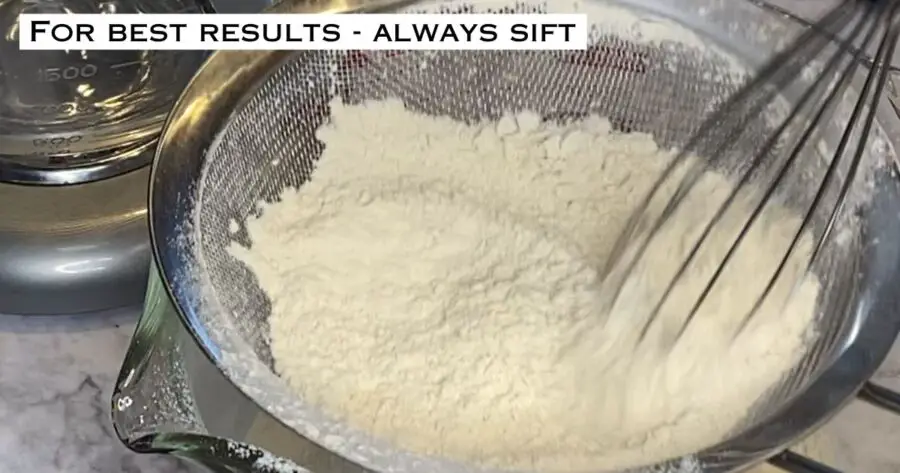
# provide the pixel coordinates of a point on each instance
(74, 249)
(80, 248)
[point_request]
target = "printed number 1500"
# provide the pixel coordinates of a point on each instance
(56, 74)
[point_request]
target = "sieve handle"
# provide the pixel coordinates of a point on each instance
(881, 397)
(795, 463)
(871, 393)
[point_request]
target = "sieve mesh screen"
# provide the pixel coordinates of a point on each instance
(663, 88)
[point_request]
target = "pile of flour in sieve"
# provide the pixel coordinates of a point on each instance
(436, 284)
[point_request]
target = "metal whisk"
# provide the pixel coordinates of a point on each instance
(836, 44)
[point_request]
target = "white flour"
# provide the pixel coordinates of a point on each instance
(433, 284)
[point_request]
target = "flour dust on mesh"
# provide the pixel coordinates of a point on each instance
(428, 284)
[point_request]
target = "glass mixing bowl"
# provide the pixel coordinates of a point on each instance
(181, 392)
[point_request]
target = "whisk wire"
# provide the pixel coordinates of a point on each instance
(780, 175)
(886, 51)
(882, 64)
(774, 71)
(807, 97)
(720, 132)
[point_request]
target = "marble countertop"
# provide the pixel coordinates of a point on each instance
(863, 438)
(56, 377)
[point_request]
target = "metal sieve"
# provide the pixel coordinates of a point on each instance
(245, 129)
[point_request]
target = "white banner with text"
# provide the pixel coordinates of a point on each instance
(269, 31)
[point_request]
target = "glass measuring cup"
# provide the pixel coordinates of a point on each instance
(98, 111)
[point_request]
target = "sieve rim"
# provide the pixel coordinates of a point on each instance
(228, 79)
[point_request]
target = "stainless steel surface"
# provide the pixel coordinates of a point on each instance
(81, 247)
(227, 114)
(56, 376)
(87, 123)
(74, 249)
(91, 111)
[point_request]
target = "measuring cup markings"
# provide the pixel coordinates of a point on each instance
(65, 108)
(62, 109)
(56, 144)
(73, 73)
(67, 73)
(121, 65)
(83, 71)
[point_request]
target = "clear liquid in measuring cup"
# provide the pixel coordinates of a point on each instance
(69, 108)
